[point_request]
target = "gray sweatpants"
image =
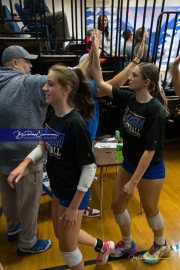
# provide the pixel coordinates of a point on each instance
(60, 23)
(22, 204)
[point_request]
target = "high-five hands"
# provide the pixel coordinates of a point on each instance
(141, 48)
(96, 41)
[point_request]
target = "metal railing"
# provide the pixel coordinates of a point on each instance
(161, 24)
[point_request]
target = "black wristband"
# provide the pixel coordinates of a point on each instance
(135, 62)
(99, 245)
(138, 57)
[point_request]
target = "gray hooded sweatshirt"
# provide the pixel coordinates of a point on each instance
(22, 107)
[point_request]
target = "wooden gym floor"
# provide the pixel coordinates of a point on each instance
(107, 228)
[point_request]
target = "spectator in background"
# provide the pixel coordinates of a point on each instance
(104, 28)
(88, 39)
(176, 76)
(137, 41)
(126, 47)
(39, 10)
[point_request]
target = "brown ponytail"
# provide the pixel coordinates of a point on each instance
(151, 72)
(83, 98)
(158, 93)
(80, 97)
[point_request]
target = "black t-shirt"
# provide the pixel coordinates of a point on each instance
(144, 126)
(69, 148)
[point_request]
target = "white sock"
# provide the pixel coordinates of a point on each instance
(160, 241)
(127, 239)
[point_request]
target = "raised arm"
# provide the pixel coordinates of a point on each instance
(85, 64)
(103, 87)
(122, 77)
(176, 76)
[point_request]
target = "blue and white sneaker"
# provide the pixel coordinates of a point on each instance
(121, 248)
(40, 246)
(12, 236)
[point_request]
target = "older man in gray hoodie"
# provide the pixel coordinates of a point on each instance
(23, 110)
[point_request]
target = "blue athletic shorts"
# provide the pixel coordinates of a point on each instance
(83, 204)
(152, 172)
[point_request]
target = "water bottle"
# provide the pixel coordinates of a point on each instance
(117, 134)
(118, 151)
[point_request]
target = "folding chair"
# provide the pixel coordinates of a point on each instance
(11, 25)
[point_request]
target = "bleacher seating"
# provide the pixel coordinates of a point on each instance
(9, 28)
(35, 28)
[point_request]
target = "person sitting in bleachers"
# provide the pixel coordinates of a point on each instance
(126, 46)
(41, 12)
(106, 40)
(138, 36)
(88, 40)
